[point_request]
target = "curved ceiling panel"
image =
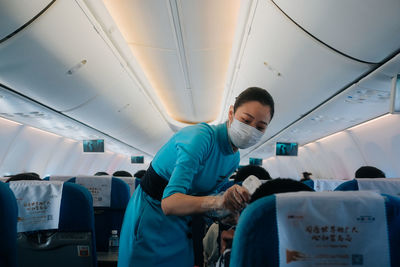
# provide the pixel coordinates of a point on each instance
(367, 99)
(77, 73)
(299, 72)
(166, 73)
(368, 30)
(14, 14)
(184, 50)
(125, 114)
(36, 61)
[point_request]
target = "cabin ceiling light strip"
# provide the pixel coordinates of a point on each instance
(236, 56)
(349, 129)
(378, 68)
(179, 39)
(174, 9)
(10, 121)
(116, 45)
(55, 118)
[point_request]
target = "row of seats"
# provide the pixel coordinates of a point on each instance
(383, 186)
(257, 241)
(82, 229)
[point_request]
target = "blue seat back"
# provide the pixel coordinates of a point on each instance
(8, 227)
(351, 185)
(256, 238)
(309, 183)
(110, 218)
(76, 229)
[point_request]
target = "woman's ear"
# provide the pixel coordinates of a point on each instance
(231, 115)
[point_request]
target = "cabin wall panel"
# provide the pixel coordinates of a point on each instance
(63, 153)
(27, 149)
(8, 133)
(30, 151)
(379, 142)
(342, 155)
(375, 143)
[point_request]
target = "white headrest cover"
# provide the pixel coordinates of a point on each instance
(332, 229)
(38, 204)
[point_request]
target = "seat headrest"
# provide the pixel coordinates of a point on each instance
(38, 204)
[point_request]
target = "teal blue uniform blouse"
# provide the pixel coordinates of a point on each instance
(195, 161)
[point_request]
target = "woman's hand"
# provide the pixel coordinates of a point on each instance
(235, 198)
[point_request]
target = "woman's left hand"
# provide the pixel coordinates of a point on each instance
(235, 198)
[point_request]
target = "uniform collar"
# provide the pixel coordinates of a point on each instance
(223, 139)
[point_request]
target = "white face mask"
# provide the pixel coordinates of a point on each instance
(242, 135)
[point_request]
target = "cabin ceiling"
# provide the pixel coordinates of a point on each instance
(183, 47)
(138, 70)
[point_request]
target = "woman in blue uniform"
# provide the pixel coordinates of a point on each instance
(181, 180)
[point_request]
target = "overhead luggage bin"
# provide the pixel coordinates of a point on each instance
(366, 30)
(15, 14)
(61, 61)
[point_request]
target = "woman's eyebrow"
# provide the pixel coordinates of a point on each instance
(251, 116)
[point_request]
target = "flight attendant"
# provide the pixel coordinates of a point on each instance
(181, 180)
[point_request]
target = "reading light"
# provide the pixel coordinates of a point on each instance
(76, 67)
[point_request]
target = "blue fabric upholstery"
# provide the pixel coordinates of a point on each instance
(76, 216)
(256, 237)
(309, 183)
(137, 182)
(348, 186)
(77, 213)
(110, 218)
(8, 227)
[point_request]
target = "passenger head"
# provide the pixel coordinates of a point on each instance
(101, 174)
(122, 174)
(140, 174)
(249, 117)
(369, 172)
(306, 176)
(280, 185)
(248, 170)
(28, 176)
(32, 174)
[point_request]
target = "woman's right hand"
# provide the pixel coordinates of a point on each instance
(235, 198)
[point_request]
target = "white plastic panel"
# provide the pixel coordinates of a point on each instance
(270, 166)
(8, 132)
(317, 165)
(100, 93)
(213, 19)
(29, 152)
(64, 152)
(166, 77)
(35, 61)
(369, 98)
(342, 155)
(145, 22)
(364, 29)
(379, 141)
(208, 74)
(184, 50)
(309, 72)
(14, 14)
(375, 143)
(27, 149)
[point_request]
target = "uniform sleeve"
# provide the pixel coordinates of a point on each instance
(193, 145)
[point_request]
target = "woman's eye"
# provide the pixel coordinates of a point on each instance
(261, 129)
